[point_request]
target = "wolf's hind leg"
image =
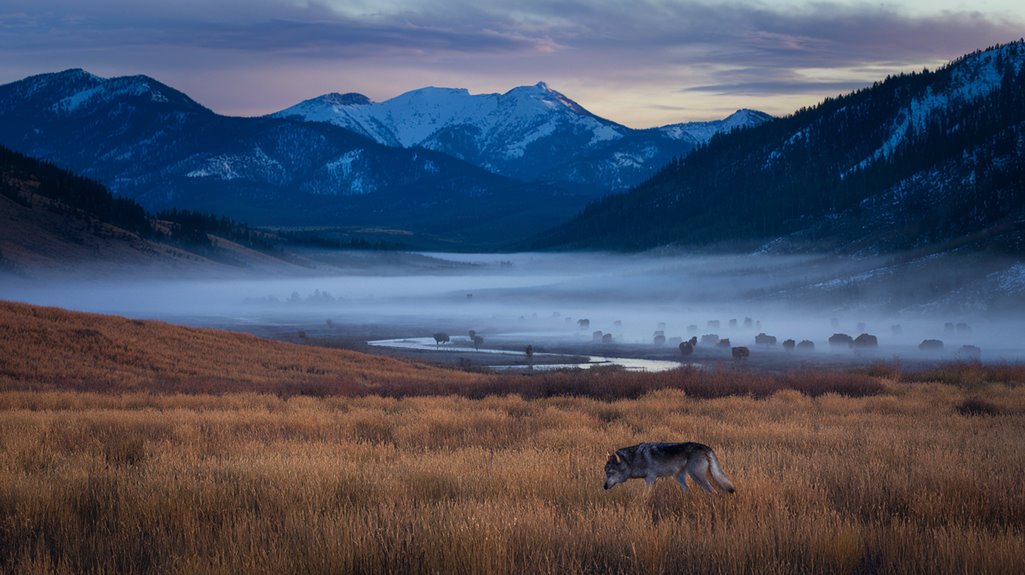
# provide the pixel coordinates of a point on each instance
(698, 470)
(681, 478)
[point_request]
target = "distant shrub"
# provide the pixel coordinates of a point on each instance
(977, 407)
(969, 374)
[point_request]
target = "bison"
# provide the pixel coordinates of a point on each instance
(710, 339)
(970, 352)
(741, 353)
(865, 341)
(841, 340)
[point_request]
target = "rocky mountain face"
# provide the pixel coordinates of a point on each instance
(532, 133)
(916, 160)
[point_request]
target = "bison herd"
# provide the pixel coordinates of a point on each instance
(865, 342)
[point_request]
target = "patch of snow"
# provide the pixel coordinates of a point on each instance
(1012, 280)
(256, 166)
(341, 167)
(519, 147)
(75, 101)
(604, 133)
(345, 171)
(971, 79)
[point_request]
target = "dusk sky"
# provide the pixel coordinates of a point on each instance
(638, 63)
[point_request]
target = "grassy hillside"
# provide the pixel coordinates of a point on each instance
(49, 348)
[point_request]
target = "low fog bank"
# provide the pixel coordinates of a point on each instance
(569, 298)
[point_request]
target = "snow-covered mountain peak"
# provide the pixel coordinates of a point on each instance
(76, 90)
(432, 93)
(76, 73)
(702, 132)
(347, 99)
(548, 99)
(530, 132)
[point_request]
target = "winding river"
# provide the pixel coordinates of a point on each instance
(428, 344)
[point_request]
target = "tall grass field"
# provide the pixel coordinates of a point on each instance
(139, 464)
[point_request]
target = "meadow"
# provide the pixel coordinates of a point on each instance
(413, 468)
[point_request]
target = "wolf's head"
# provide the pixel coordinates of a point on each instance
(616, 470)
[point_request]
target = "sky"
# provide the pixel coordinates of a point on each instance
(641, 63)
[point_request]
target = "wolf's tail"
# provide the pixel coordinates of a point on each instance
(718, 475)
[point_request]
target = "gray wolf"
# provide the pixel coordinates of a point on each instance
(652, 460)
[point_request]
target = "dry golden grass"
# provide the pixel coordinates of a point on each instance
(136, 483)
(908, 479)
(49, 348)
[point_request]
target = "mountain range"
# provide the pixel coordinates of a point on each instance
(151, 143)
(531, 133)
(934, 158)
(916, 160)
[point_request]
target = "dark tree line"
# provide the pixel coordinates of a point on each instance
(19, 172)
(194, 228)
(71, 190)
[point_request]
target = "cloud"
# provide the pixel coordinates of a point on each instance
(769, 87)
(652, 49)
